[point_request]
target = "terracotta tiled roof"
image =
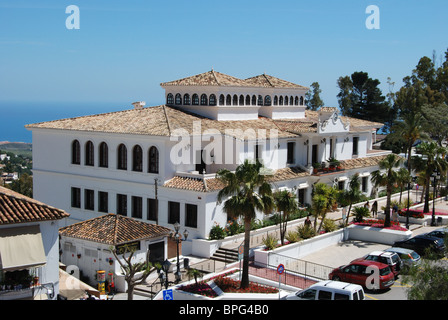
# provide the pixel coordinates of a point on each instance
(113, 229)
(17, 208)
(214, 78)
(163, 121)
(195, 184)
(287, 174)
(361, 162)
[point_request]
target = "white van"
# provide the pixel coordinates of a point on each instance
(329, 290)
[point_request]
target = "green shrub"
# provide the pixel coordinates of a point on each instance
(270, 242)
(360, 213)
(306, 231)
(329, 225)
(217, 233)
(292, 236)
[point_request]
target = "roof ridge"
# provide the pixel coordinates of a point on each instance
(167, 120)
(216, 78)
(270, 83)
(116, 229)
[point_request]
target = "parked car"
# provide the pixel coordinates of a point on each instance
(422, 243)
(329, 290)
(409, 257)
(390, 258)
(441, 233)
(363, 273)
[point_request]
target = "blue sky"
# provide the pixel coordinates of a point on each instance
(125, 49)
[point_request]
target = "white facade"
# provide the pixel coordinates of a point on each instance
(55, 177)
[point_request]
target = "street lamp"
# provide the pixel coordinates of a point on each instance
(164, 276)
(435, 175)
(178, 239)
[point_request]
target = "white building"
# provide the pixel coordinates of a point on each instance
(146, 162)
(29, 247)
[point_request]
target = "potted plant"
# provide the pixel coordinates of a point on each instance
(316, 167)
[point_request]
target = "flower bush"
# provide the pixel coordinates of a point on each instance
(226, 284)
(378, 223)
(418, 213)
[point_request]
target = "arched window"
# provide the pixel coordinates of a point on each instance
(122, 157)
(301, 100)
(286, 100)
(280, 101)
(291, 100)
(89, 158)
(204, 99)
(275, 100)
(296, 101)
(235, 100)
(104, 155)
(267, 101)
(260, 100)
(153, 159)
(195, 100)
(254, 100)
(137, 159)
(248, 100)
(76, 152)
(228, 100)
(178, 100)
(241, 103)
(169, 99)
(221, 100)
(186, 99)
(212, 100)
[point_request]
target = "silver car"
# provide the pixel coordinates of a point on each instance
(409, 257)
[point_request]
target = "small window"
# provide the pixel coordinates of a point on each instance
(296, 101)
(286, 101)
(342, 296)
(169, 99)
(212, 100)
(195, 100)
(275, 100)
(221, 100)
(204, 100)
(187, 99)
(137, 207)
(103, 201)
(89, 199)
(76, 197)
(89, 160)
(248, 100)
(173, 212)
(152, 209)
(229, 100)
(267, 101)
(178, 100)
(122, 157)
(122, 204)
(104, 155)
(280, 101)
(290, 153)
(355, 145)
(324, 295)
(260, 100)
(137, 159)
(241, 103)
(254, 100)
(76, 152)
(235, 100)
(365, 182)
(191, 215)
(153, 160)
(301, 100)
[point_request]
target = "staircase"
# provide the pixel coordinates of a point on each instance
(225, 255)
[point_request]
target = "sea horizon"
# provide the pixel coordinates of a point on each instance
(15, 115)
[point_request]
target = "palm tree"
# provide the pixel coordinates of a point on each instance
(324, 197)
(404, 178)
(285, 202)
(432, 160)
(350, 195)
(387, 179)
(247, 191)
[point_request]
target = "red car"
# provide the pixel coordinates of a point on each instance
(369, 274)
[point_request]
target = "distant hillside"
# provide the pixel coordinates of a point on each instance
(23, 148)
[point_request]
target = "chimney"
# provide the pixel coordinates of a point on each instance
(139, 104)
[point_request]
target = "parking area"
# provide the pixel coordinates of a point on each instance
(343, 253)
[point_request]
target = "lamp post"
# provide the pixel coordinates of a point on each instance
(178, 239)
(436, 176)
(409, 200)
(164, 276)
